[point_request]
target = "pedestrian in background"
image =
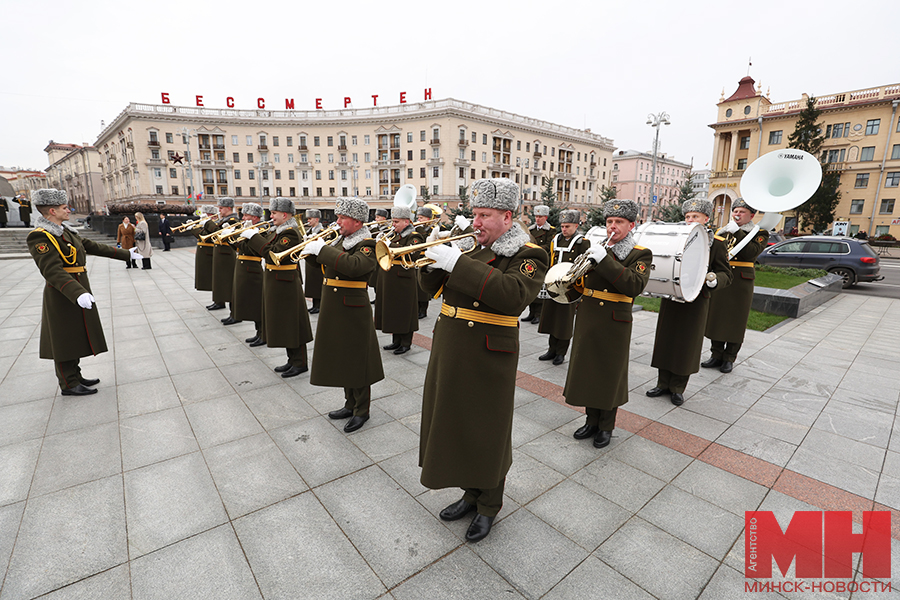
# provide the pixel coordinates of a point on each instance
(165, 232)
(142, 241)
(125, 239)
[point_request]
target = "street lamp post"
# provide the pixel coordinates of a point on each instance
(186, 135)
(655, 121)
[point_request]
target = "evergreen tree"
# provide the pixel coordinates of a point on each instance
(426, 196)
(548, 197)
(463, 208)
(670, 213)
(686, 191)
(595, 216)
(817, 213)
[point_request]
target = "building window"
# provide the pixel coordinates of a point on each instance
(234, 140)
(249, 157)
(365, 140)
(315, 140)
(236, 157)
(293, 192)
(251, 174)
(302, 142)
(867, 153)
(169, 139)
(249, 140)
(159, 189)
(484, 157)
(330, 143)
(775, 137)
(289, 140)
(836, 155)
(275, 143)
(422, 136)
(252, 191)
(318, 191)
(278, 191)
(422, 154)
(745, 141)
(484, 139)
(862, 180)
(435, 190)
(331, 158)
(157, 173)
(887, 207)
(367, 157)
(409, 137)
(872, 126)
(409, 155)
(154, 154)
(473, 156)
(435, 172)
(173, 173)
(475, 136)
(856, 207)
(290, 158)
(291, 174)
(278, 175)
(435, 153)
(237, 173)
(895, 152)
(175, 190)
(422, 172)
(318, 158)
(892, 179)
(277, 157)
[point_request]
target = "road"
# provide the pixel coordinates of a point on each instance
(889, 287)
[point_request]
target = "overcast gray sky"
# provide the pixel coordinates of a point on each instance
(603, 65)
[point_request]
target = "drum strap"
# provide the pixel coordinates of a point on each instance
(740, 246)
(608, 296)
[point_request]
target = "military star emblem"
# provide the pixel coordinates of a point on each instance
(177, 158)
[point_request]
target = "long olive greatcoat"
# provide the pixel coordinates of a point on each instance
(4, 207)
(285, 318)
(346, 353)
(25, 211)
(67, 330)
(598, 369)
(730, 308)
(680, 327)
(313, 285)
(396, 304)
(467, 403)
(247, 296)
(223, 262)
(422, 295)
(202, 261)
(558, 319)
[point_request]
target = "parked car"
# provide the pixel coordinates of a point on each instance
(775, 238)
(852, 259)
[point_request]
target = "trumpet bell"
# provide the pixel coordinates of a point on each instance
(557, 286)
(436, 210)
(781, 180)
(383, 255)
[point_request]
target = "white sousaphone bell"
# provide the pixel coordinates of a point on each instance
(406, 197)
(779, 181)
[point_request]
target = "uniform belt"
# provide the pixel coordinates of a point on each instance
(346, 284)
(205, 244)
(611, 297)
(468, 314)
(246, 257)
(289, 267)
(737, 263)
(73, 269)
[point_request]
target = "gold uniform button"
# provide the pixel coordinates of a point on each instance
(605, 290)
(475, 304)
(439, 317)
(471, 324)
(335, 289)
(601, 303)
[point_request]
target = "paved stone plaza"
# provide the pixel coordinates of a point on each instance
(198, 473)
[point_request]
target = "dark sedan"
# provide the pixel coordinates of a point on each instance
(852, 259)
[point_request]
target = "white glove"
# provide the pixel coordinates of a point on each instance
(134, 254)
(85, 301)
(314, 247)
(461, 222)
(433, 236)
(248, 233)
(711, 280)
(596, 253)
(226, 230)
(732, 227)
(444, 256)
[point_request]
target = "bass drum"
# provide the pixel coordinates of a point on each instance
(596, 235)
(680, 259)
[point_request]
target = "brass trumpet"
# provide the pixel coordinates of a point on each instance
(329, 234)
(563, 282)
(190, 225)
(218, 237)
(387, 256)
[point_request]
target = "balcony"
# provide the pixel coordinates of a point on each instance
(435, 162)
(836, 166)
(218, 146)
(208, 182)
(463, 142)
(435, 141)
(204, 146)
(154, 161)
(222, 181)
(537, 154)
(262, 147)
(389, 163)
(153, 143)
(302, 147)
(131, 144)
(342, 147)
(461, 162)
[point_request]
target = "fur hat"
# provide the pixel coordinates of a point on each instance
(401, 212)
(313, 213)
(208, 209)
(739, 203)
(542, 210)
(353, 208)
(251, 209)
(382, 212)
(282, 205)
(698, 205)
(499, 193)
(422, 211)
(225, 201)
(569, 216)
(627, 209)
(49, 197)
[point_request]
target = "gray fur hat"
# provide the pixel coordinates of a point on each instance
(353, 208)
(542, 210)
(225, 201)
(282, 205)
(698, 205)
(627, 209)
(313, 213)
(382, 212)
(401, 212)
(251, 209)
(739, 203)
(569, 216)
(49, 197)
(208, 209)
(499, 193)
(422, 211)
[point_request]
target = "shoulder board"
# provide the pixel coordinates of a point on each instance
(636, 247)
(530, 245)
(38, 229)
(721, 239)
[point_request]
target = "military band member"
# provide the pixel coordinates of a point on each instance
(223, 258)
(382, 229)
(729, 309)
(24, 210)
(467, 403)
(396, 303)
(247, 295)
(285, 319)
(423, 214)
(70, 323)
(680, 327)
(542, 233)
(558, 319)
(4, 207)
(204, 255)
(598, 370)
(346, 351)
(313, 285)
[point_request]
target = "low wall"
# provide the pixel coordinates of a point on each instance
(798, 300)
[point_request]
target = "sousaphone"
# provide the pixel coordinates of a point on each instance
(779, 181)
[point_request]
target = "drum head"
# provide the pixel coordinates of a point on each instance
(694, 262)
